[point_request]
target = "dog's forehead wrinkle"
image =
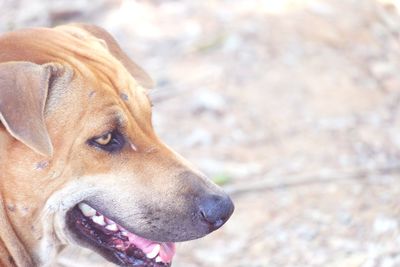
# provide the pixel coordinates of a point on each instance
(59, 85)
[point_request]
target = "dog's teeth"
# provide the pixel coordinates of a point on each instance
(109, 221)
(99, 220)
(124, 233)
(112, 227)
(158, 259)
(87, 210)
(154, 252)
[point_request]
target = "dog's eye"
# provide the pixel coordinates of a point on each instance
(104, 140)
(111, 141)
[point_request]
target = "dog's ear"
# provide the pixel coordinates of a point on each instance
(137, 72)
(24, 88)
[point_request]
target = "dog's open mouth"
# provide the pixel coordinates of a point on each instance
(116, 243)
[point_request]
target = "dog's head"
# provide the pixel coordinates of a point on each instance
(79, 156)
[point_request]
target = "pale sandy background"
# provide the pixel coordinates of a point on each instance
(294, 105)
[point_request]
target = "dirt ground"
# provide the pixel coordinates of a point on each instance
(292, 105)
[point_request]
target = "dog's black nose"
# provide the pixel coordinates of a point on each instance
(215, 210)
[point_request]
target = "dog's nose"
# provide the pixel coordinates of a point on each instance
(215, 210)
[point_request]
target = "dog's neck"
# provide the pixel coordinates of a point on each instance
(12, 251)
(23, 242)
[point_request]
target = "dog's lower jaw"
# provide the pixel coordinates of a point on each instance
(53, 239)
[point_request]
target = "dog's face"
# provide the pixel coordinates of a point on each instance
(110, 183)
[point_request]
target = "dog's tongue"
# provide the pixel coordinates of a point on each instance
(167, 249)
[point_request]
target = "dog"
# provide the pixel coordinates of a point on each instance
(80, 161)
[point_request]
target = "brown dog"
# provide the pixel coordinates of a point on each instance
(80, 162)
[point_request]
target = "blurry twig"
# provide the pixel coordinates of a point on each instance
(270, 182)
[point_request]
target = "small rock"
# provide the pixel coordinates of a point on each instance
(321, 8)
(344, 218)
(354, 260)
(199, 137)
(389, 262)
(208, 101)
(209, 166)
(383, 224)
(306, 233)
(232, 43)
(382, 69)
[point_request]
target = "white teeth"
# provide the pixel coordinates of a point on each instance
(154, 252)
(124, 233)
(109, 221)
(112, 227)
(87, 210)
(99, 220)
(158, 259)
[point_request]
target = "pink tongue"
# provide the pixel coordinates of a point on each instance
(167, 250)
(140, 242)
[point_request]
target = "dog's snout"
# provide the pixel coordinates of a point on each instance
(215, 210)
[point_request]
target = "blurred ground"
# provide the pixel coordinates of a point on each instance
(293, 104)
